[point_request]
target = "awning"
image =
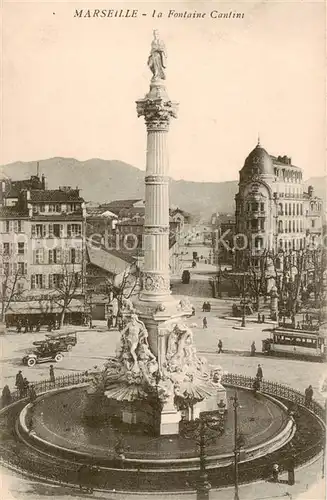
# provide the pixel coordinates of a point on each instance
(44, 307)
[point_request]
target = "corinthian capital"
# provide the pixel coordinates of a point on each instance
(157, 112)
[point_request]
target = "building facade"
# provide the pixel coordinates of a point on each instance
(42, 251)
(273, 210)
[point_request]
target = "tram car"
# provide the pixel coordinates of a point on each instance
(295, 343)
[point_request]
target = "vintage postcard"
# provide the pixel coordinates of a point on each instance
(163, 236)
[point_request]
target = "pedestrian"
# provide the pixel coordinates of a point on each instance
(253, 349)
(193, 311)
(275, 472)
(19, 379)
(52, 375)
(109, 321)
(256, 386)
(32, 394)
(220, 346)
(6, 396)
(204, 306)
(205, 322)
(259, 318)
(208, 306)
(308, 393)
(263, 318)
(259, 373)
(25, 387)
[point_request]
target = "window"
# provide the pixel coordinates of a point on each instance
(73, 207)
(54, 207)
(7, 226)
(37, 281)
(38, 256)
(6, 268)
(301, 209)
(20, 287)
(55, 256)
(55, 280)
(21, 248)
(297, 209)
(6, 249)
(17, 226)
(289, 226)
(74, 230)
(313, 223)
(73, 255)
(293, 226)
(280, 226)
(22, 268)
(262, 207)
(255, 207)
(38, 231)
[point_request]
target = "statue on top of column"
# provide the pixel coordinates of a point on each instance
(157, 58)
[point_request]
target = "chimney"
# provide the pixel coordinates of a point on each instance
(310, 191)
(43, 182)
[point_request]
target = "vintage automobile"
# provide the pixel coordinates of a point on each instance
(66, 341)
(45, 352)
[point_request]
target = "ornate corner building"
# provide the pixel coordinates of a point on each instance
(273, 211)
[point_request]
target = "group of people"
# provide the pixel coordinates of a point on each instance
(22, 384)
(261, 318)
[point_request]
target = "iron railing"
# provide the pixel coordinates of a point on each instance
(267, 387)
(275, 389)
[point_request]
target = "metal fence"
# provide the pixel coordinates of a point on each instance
(46, 385)
(272, 388)
(275, 389)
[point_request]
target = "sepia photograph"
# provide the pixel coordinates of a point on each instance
(163, 250)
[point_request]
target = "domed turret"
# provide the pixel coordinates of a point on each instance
(258, 163)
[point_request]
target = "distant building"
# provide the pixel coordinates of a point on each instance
(223, 232)
(273, 211)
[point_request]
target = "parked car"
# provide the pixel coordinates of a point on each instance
(66, 341)
(44, 353)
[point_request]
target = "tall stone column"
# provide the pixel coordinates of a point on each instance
(157, 110)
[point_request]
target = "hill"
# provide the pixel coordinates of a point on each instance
(105, 180)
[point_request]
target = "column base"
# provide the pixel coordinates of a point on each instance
(169, 420)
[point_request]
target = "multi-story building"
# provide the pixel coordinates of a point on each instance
(42, 253)
(273, 211)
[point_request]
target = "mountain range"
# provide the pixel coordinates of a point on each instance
(102, 181)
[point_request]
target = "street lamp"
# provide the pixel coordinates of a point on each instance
(202, 430)
(238, 443)
(243, 295)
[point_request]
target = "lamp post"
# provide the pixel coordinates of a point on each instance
(243, 297)
(237, 445)
(202, 430)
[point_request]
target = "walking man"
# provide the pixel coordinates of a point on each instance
(220, 346)
(253, 349)
(259, 373)
(205, 322)
(52, 375)
(308, 393)
(20, 383)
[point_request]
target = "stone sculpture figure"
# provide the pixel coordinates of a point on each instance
(134, 334)
(157, 58)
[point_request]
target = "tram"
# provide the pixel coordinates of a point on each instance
(295, 343)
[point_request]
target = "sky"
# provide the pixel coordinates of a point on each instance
(69, 84)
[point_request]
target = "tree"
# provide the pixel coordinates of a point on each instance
(124, 285)
(66, 286)
(12, 277)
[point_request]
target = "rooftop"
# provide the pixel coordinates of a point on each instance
(55, 195)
